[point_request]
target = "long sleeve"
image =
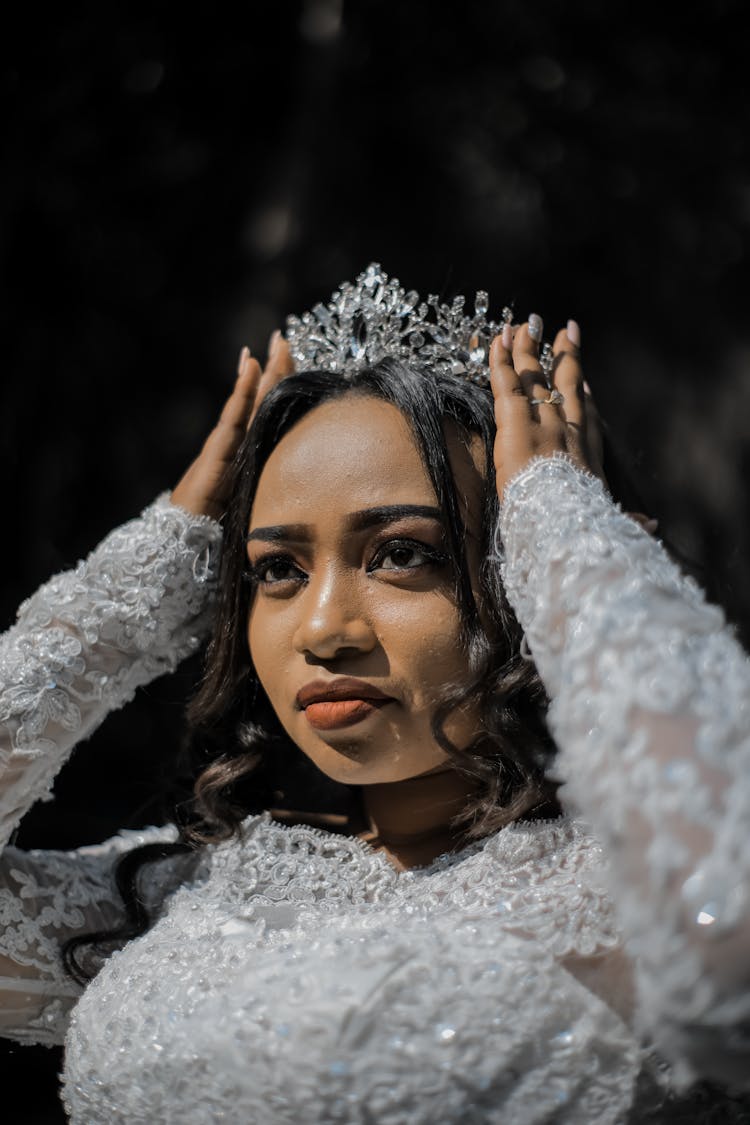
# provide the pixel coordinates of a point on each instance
(85, 641)
(137, 606)
(650, 701)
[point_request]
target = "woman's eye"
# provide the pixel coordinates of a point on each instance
(273, 572)
(406, 556)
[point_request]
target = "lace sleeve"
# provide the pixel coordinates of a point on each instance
(81, 646)
(650, 706)
(88, 638)
(47, 897)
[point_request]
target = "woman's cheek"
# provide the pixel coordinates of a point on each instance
(265, 640)
(437, 658)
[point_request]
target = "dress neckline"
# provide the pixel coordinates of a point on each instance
(440, 862)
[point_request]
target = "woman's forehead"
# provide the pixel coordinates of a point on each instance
(347, 455)
(346, 450)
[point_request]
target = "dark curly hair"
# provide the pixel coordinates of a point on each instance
(234, 729)
(239, 758)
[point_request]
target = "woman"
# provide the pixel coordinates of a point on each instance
(449, 948)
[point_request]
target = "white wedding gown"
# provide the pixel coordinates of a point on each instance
(587, 970)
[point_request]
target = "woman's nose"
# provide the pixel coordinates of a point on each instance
(332, 619)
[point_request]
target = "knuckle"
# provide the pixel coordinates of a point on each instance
(570, 380)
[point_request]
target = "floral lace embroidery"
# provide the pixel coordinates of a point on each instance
(45, 896)
(624, 641)
(79, 649)
(367, 988)
(542, 878)
(303, 977)
(88, 638)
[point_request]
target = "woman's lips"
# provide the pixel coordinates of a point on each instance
(339, 703)
(341, 712)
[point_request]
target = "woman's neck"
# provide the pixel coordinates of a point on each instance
(410, 820)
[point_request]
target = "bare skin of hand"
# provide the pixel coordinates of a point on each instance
(203, 490)
(525, 430)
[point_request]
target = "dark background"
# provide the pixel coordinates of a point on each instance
(173, 185)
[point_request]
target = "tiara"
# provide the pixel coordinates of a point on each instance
(374, 317)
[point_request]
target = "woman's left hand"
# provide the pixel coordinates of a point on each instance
(526, 428)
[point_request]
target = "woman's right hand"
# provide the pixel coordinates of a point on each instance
(203, 490)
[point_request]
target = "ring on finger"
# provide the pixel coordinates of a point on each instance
(555, 399)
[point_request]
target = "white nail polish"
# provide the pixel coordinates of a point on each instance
(536, 327)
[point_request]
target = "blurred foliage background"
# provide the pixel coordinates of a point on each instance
(174, 184)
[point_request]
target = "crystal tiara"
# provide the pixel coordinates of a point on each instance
(373, 318)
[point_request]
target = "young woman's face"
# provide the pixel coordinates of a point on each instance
(354, 630)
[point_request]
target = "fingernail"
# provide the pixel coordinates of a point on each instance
(586, 388)
(536, 327)
(574, 333)
(650, 526)
(273, 343)
(244, 355)
(507, 337)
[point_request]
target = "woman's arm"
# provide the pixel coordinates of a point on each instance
(82, 644)
(88, 638)
(47, 897)
(80, 648)
(650, 711)
(136, 607)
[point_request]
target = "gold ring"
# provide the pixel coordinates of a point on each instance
(555, 399)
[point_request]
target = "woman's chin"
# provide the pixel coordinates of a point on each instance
(361, 762)
(356, 764)
(365, 746)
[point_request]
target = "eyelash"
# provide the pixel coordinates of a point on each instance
(433, 558)
(255, 571)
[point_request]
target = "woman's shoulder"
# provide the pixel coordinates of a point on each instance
(544, 880)
(564, 842)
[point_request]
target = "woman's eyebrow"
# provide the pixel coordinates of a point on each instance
(357, 521)
(288, 532)
(389, 513)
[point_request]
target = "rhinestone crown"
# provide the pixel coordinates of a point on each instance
(374, 317)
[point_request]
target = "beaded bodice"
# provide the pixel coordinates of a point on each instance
(310, 955)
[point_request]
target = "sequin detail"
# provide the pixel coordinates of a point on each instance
(305, 978)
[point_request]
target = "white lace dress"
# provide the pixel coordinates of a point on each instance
(588, 970)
